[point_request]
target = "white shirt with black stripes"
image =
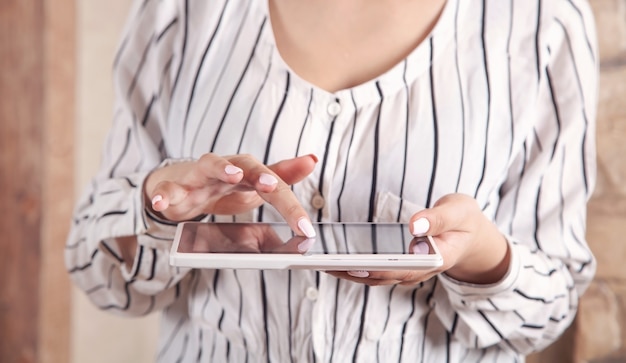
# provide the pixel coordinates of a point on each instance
(498, 103)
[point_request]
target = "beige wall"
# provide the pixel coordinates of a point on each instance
(99, 337)
(601, 329)
(601, 335)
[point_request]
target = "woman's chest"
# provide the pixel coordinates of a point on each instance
(420, 131)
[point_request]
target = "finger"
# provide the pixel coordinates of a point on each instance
(422, 278)
(169, 186)
(292, 171)
(355, 276)
(277, 193)
(289, 171)
(255, 175)
(377, 278)
(286, 203)
(212, 168)
(166, 194)
(266, 183)
(400, 275)
(209, 169)
(451, 212)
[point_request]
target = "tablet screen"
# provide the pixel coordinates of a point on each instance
(272, 238)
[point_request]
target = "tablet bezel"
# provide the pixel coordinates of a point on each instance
(315, 261)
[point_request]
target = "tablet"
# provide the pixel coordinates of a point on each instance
(337, 247)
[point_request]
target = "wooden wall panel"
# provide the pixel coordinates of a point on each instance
(35, 124)
(21, 116)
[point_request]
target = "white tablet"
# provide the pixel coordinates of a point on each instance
(337, 247)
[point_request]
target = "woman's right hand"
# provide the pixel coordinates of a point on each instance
(229, 185)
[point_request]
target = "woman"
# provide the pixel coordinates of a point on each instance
(472, 121)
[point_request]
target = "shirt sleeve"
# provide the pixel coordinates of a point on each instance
(542, 207)
(112, 206)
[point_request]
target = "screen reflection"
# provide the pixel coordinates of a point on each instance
(332, 238)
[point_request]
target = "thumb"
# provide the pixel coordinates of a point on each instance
(450, 213)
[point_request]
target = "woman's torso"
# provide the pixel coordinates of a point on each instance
(443, 120)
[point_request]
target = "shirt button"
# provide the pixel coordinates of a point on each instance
(312, 293)
(318, 201)
(371, 333)
(334, 108)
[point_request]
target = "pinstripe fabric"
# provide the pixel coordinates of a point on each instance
(498, 103)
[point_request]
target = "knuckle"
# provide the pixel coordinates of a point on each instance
(207, 158)
(445, 199)
(248, 158)
(438, 222)
(406, 276)
(377, 282)
(281, 187)
(292, 209)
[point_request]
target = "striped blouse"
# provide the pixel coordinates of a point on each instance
(498, 103)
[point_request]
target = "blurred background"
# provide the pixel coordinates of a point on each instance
(55, 108)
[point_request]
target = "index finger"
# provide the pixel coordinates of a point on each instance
(280, 196)
(286, 203)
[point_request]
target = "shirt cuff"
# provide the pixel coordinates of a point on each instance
(151, 271)
(464, 294)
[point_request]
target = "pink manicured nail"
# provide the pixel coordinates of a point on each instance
(421, 248)
(232, 170)
(267, 179)
(157, 198)
(306, 227)
(360, 274)
(420, 227)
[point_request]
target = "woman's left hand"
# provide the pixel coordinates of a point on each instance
(473, 249)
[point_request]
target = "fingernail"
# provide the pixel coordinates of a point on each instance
(421, 248)
(306, 227)
(268, 179)
(313, 157)
(232, 170)
(157, 198)
(306, 245)
(359, 274)
(420, 227)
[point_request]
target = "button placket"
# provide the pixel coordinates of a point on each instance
(336, 107)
